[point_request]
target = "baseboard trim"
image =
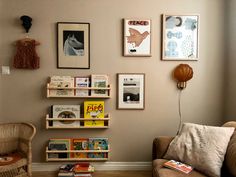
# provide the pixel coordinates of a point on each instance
(106, 166)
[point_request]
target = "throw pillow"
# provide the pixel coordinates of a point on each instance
(203, 147)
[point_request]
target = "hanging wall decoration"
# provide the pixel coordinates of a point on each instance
(137, 37)
(180, 37)
(26, 56)
(73, 45)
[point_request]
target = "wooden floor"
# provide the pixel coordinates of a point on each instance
(102, 174)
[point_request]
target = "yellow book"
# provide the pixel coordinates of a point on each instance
(93, 109)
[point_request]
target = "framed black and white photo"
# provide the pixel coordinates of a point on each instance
(130, 90)
(180, 37)
(73, 45)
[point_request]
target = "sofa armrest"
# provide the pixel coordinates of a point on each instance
(160, 146)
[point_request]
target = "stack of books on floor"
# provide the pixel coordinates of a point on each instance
(76, 170)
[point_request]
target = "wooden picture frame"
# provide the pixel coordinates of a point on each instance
(73, 45)
(137, 37)
(180, 37)
(131, 91)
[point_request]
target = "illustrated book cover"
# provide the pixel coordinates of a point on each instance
(83, 167)
(81, 82)
(98, 143)
(59, 144)
(66, 112)
(61, 82)
(179, 166)
(99, 81)
(98, 155)
(94, 109)
(79, 144)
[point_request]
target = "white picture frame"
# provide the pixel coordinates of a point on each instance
(131, 90)
(137, 37)
(180, 37)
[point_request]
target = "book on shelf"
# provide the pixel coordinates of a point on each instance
(99, 81)
(81, 82)
(79, 144)
(61, 82)
(179, 166)
(93, 109)
(66, 112)
(59, 145)
(98, 155)
(98, 143)
(83, 167)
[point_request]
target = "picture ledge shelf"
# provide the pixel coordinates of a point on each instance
(77, 88)
(75, 151)
(106, 120)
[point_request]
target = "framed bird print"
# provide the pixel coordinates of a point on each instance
(137, 37)
(73, 51)
(180, 37)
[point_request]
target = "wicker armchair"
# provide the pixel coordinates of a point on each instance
(15, 149)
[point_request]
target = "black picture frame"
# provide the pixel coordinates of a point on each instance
(73, 45)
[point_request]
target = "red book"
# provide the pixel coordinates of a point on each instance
(83, 168)
(179, 166)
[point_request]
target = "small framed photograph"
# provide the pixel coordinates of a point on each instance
(131, 90)
(73, 45)
(137, 37)
(180, 37)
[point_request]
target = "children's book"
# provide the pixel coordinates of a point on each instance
(93, 109)
(83, 167)
(82, 82)
(99, 81)
(79, 144)
(97, 155)
(98, 143)
(66, 112)
(59, 144)
(179, 166)
(61, 82)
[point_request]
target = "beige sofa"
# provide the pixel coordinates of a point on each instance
(160, 146)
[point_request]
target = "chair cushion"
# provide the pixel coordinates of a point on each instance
(12, 161)
(202, 147)
(160, 171)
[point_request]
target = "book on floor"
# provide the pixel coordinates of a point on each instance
(83, 167)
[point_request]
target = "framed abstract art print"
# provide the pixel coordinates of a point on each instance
(180, 37)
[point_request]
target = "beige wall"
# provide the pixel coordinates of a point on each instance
(131, 132)
(230, 72)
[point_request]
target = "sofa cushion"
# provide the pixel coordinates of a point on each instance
(160, 171)
(202, 147)
(230, 157)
